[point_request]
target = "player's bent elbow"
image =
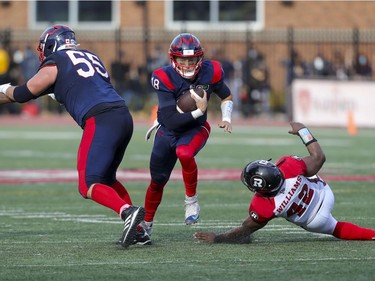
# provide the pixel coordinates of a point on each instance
(320, 158)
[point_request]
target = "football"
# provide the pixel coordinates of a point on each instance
(186, 103)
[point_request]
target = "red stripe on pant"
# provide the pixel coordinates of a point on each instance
(83, 151)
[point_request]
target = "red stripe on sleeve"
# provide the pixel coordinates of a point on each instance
(164, 78)
(217, 72)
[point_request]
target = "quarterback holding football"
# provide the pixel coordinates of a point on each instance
(180, 133)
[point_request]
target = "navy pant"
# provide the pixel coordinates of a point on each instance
(102, 148)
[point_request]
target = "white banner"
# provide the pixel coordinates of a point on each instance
(334, 103)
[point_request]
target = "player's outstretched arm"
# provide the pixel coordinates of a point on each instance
(3, 96)
(35, 86)
(316, 159)
(237, 235)
(226, 112)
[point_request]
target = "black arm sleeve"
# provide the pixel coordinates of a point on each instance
(173, 120)
(22, 94)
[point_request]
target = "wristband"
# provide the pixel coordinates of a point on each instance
(306, 136)
(4, 88)
(226, 110)
(197, 113)
(22, 94)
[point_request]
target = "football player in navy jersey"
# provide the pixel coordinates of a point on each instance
(78, 80)
(290, 189)
(182, 135)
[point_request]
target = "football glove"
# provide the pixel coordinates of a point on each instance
(149, 132)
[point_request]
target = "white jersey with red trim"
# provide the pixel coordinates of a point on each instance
(298, 200)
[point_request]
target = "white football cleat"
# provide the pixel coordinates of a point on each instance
(191, 209)
(147, 226)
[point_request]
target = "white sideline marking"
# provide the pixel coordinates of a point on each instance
(27, 176)
(141, 175)
(40, 135)
(196, 260)
(87, 218)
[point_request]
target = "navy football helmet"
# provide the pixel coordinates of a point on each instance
(186, 45)
(263, 177)
(56, 38)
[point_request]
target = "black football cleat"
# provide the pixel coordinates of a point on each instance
(141, 238)
(132, 216)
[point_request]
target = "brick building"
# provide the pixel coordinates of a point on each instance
(135, 28)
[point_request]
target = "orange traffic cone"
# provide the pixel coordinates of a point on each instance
(352, 128)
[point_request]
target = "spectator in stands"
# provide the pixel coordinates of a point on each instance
(362, 67)
(28, 67)
(137, 87)
(4, 61)
(296, 67)
(232, 77)
(226, 64)
(321, 66)
(30, 63)
(340, 69)
(5, 77)
(158, 58)
(256, 87)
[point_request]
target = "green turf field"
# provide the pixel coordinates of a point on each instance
(48, 232)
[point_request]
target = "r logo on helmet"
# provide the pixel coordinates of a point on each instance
(257, 182)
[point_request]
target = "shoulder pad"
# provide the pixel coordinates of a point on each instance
(163, 77)
(214, 68)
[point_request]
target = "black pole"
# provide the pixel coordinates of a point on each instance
(288, 90)
(355, 47)
(146, 38)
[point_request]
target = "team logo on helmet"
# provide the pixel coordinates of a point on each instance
(262, 176)
(258, 182)
(187, 40)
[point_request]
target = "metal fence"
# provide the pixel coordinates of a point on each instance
(268, 59)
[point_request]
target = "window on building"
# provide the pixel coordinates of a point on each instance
(44, 11)
(189, 10)
(75, 13)
(237, 11)
(94, 11)
(213, 14)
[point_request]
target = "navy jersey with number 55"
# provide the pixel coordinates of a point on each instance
(82, 82)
